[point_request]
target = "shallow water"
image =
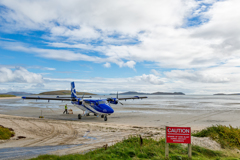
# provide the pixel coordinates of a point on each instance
(183, 102)
(29, 152)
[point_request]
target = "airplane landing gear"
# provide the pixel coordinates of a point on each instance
(102, 116)
(95, 114)
(79, 116)
(88, 114)
(105, 118)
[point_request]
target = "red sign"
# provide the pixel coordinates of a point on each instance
(178, 134)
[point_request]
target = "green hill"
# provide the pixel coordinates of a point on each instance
(7, 95)
(64, 92)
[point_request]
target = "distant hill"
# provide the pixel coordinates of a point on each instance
(156, 93)
(130, 93)
(7, 95)
(227, 94)
(16, 93)
(63, 92)
(168, 93)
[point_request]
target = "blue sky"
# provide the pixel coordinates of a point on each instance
(107, 46)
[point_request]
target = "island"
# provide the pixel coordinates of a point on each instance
(226, 94)
(155, 93)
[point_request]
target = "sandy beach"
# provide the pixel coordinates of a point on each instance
(79, 136)
(17, 97)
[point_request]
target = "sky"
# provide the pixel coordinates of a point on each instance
(105, 46)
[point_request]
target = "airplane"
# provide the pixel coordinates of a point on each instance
(99, 107)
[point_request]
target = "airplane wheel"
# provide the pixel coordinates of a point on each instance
(102, 116)
(95, 114)
(88, 114)
(79, 116)
(105, 118)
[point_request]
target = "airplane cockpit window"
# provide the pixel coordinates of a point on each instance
(101, 102)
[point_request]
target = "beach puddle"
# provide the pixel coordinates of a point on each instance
(88, 137)
(30, 152)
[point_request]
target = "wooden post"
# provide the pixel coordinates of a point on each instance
(190, 147)
(166, 145)
(190, 150)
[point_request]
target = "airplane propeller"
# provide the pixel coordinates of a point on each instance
(83, 95)
(115, 99)
(118, 100)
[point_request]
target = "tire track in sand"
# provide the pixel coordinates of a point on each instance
(72, 137)
(51, 135)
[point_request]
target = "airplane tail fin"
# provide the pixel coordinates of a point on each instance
(73, 90)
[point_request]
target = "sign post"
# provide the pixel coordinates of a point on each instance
(178, 135)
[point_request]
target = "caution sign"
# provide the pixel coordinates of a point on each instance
(178, 135)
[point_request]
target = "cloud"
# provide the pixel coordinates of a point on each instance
(159, 34)
(40, 15)
(129, 64)
(152, 79)
(195, 42)
(38, 85)
(197, 76)
(155, 72)
(49, 69)
(20, 75)
(107, 65)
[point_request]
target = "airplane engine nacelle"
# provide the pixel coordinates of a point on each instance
(113, 100)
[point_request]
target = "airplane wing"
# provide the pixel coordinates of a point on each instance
(70, 97)
(135, 97)
(50, 98)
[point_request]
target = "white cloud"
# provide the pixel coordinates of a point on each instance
(157, 31)
(50, 69)
(197, 76)
(148, 78)
(129, 64)
(107, 65)
(130, 32)
(155, 72)
(83, 32)
(38, 85)
(20, 75)
(109, 16)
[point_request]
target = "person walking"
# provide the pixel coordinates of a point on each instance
(65, 109)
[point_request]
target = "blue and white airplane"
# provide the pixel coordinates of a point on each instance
(99, 107)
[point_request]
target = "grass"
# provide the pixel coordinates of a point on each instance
(5, 133)
(131, 149)
(227, 137)
(7, 95)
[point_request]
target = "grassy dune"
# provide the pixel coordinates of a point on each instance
(150, 149)
(227, 137)
(63, 92)
(5, 133)
(7, 95)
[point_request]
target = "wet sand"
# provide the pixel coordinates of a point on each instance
(78, 136)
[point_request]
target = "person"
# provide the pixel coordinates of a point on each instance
(65, 109)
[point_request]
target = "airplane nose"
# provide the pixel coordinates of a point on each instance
(110, 110)
(107, 109)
